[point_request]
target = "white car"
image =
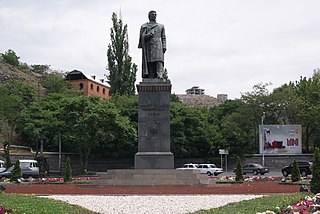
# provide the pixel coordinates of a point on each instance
(29, 168)
(210, 169)
(189, 166)
(2, 168)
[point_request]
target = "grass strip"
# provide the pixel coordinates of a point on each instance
(28, 204)
(253, 206)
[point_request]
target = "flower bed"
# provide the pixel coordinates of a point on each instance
(303, 181)
(281, 180)
(231, 179)
(310, 204)
(3, 210)
(54, 180)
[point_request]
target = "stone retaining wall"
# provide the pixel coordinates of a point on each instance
(102, 165)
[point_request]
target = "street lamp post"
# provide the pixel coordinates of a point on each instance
(59, 163)
(262, 136)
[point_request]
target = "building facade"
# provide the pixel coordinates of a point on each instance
(222, 97)
(196, 90)
(89, 85)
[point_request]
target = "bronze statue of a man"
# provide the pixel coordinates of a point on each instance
(153, 43)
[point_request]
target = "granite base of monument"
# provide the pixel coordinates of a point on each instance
(154, 160)
(152, 177)
(154, 126)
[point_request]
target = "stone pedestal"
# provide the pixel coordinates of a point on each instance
(151, 177)
(154, 126)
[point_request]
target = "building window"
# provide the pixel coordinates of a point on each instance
(91, 86)
(104, 91)
(98, 88)
(81, 86)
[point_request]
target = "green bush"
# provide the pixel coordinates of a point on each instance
(315, 180)
(23, 67)
(239, 173)
(40, 68)
(11, 57)
(295, 174)
(16, 172)
(67, 171)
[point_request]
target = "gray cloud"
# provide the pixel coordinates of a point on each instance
(221, 46)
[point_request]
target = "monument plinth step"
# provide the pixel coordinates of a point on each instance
(148, 177)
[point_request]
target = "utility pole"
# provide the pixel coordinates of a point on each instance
(262, 136)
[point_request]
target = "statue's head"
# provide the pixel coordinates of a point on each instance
(152, 15)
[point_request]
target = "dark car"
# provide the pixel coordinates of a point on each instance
(7, 173)
(253, 168)
(304, 167)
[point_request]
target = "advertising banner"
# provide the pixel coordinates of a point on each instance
(280, 139)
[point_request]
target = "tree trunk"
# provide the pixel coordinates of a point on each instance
(37, 150)
(307, 139)
(86, 159)
(81, 160)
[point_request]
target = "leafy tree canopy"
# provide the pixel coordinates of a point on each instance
(55, 83)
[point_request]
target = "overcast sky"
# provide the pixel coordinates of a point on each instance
(222, 46)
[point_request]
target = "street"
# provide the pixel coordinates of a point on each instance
(272, 173)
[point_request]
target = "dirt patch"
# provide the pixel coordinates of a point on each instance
(244, 188)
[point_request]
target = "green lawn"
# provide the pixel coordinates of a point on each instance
(257, 205)
(31, 204)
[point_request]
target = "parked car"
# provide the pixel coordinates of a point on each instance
(2, 168)
(29, 168)
(304, 167)
(253, 168)
(210, 169)
(189, 166)
(7, 173)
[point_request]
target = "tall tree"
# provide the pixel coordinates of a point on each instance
(257, 101)
(190, 135)
(122, 72)
(14, 96)
(41, 120)
(315, 180)
(92, 122)
(308, 91)
(234, 122)
(284, 105)
(239, 173)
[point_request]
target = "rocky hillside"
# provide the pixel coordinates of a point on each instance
(8, 72)
(198, 100)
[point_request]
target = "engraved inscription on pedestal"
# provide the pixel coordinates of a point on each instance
(154, 126)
